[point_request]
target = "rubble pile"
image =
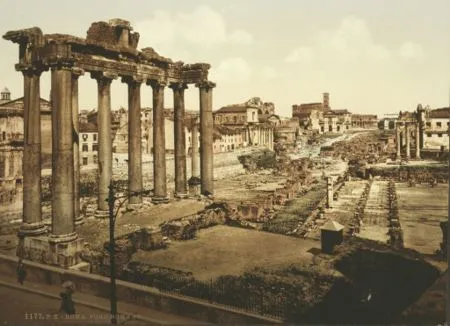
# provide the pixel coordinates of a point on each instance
(358, 217)
(367, 146)
(186, 227)
(395, 232)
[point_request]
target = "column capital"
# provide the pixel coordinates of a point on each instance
(103, 75)
(178, 86)
(77, 72)
(62, 64)
(156, 83)
(206, 84)
(31, 70)
(130, 80)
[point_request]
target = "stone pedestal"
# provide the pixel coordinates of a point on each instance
(194, 186)
(52, 251)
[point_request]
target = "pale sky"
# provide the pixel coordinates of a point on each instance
(372, 56)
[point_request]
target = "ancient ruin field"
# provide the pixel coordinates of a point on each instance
(223, 250)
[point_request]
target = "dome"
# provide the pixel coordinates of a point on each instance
(5, 90)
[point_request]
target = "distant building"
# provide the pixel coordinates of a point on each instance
(434, 124)
(12, 141)
(320, 118)
(366, 121)
(88, 134)
(245, 118)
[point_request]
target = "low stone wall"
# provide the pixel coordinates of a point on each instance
(133, 293)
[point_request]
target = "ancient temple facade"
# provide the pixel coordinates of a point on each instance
(109, 54)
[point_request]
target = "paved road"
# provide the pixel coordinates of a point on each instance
(19, 307)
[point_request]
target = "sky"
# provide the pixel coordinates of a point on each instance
(374, 57)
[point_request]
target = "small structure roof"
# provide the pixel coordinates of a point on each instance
(332, 226)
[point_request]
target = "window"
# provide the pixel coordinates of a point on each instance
(428, 135)
(85, 161)
(95, 137)
(330, 128)
(95, 159)
(4, 135)
(95, 147)
(439, 124)
(84, 148)
(428, 124)
(440, 135)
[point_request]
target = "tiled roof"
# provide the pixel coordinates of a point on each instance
(233, 109)
(441, 113)
(88, 127)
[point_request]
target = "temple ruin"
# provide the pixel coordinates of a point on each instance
(108, 52)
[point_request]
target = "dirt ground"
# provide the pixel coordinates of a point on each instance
(421, 209)
(223, 250)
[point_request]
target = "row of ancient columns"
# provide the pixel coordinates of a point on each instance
(403, 135)
(65, 147)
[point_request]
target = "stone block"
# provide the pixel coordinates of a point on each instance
(63, 254)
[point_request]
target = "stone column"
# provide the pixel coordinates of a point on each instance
(398, 140)
(418, 140)
(330, 192)
(76, 73)
(159, 144)
(194, 156)
(32, 223)
(63, 218)
(134, 142)
(104, 141)
(194, 181)
(180, 140)
(408, 136)
(206, 138)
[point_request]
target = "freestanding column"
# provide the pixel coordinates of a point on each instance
(104, 141)
(330, 192)
(398, 140)
(194, 156)
(180, 140)
(418, 140)
(76, 73)
(159, 144)
(206, 138)
(32, 223)
(408, 136)
(63, 219)
(134, 142)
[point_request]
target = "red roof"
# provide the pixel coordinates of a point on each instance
(441, 113)
(232, 109)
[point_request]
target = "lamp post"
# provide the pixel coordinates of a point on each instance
(112, 243)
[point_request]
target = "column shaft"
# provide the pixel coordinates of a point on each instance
(408, 137)
(398, 140)
(206, 139)
(134, 143)
(159, 144)
(63, 221)
(180, 140)
(417, 141)
(76, 148)
(104, 143)
(194, 155)
(32, 217)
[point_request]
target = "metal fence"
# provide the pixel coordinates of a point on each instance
(228, 293)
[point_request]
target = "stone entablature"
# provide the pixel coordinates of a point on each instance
(102, 51)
